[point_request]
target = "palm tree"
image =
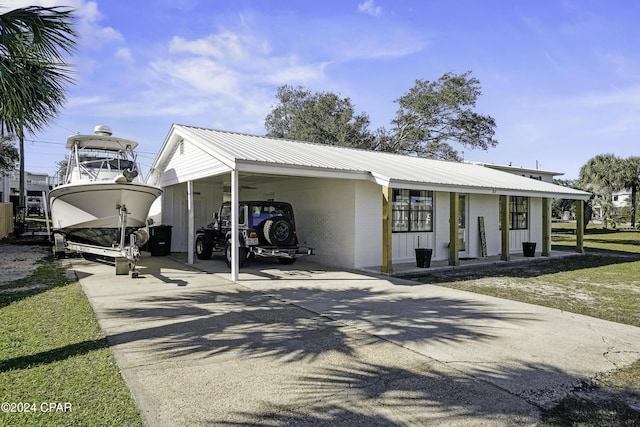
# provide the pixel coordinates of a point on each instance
(33, 73)
(602, 176)
(631, 181)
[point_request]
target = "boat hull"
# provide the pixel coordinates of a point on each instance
(90, 212)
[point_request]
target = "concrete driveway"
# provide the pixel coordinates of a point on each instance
(306, 345)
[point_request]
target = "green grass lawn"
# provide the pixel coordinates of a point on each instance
(54, 359)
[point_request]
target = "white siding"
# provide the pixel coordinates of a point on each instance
(207, 200)
(368, 224)
(189, 163)
(488, 208)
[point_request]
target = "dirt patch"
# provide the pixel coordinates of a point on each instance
(19, 261)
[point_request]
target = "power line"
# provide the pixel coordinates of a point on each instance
(45, 142)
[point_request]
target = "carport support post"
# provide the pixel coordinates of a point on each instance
(546, 227)
(580, 226)
(190, 222)
(235, 229)
(454, 239)
(504, 221)
(387, 200)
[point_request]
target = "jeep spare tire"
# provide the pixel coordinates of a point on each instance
(278, 231)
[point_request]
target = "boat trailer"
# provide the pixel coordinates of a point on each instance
(125, 257)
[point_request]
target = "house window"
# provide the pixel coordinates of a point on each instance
(518, 212)
(412, 210)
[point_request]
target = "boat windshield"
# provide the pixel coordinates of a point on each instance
(98, 165)
(108, 163)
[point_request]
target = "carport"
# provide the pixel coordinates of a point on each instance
(199, 168)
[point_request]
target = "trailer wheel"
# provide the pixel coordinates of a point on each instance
(278, 231)
(203, 249)
(242, 254)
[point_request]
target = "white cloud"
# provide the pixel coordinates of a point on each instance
(369, 7)
(296, 73)
(125, 54)
(89, 28)
(228, 76)
(217, 63)
(203, 75)
(224, 45)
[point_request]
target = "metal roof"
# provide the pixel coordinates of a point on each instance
(251, 153)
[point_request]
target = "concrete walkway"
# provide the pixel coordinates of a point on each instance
(306, 345)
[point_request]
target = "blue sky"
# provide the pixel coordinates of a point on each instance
(561, 78)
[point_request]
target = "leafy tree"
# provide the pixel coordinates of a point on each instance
(321, 117)
(602, 176)
(8, 155)
(33, 73)
(631, 181)
(432, 115)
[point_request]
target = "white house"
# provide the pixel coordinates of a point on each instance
(355, 208)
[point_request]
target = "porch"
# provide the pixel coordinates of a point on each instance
(411, 270)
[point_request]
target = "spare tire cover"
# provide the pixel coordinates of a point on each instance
(278, 231)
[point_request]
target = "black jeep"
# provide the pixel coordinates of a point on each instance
(267, 229)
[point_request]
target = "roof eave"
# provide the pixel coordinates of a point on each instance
(413, 185)
(271, 168)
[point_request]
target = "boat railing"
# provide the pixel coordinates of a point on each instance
(95, 168)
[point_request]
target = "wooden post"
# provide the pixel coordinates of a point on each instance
(387, 254)
(546, 227)
(504, 220)
(454, 239)
(580, 226)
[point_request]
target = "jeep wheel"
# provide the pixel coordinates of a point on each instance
(286, 261)
(242, 254)
(278, 231)
(203, 249)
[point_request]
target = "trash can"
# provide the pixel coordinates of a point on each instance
(423, 257)
(160, 240)
(529, 249)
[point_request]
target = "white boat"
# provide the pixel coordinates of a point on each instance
(103, 198)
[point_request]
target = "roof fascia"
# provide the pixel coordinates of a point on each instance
(578, 195)
(298, 170)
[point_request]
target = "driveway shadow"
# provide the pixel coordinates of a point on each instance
(356, 340)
